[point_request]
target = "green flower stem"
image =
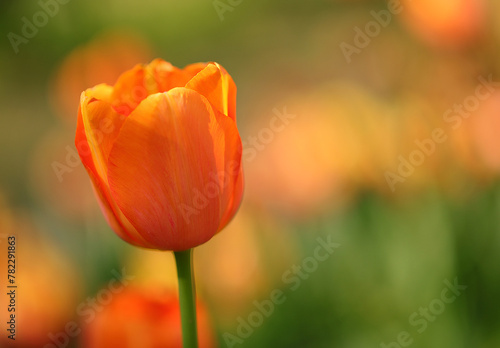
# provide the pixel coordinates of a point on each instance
(187, 297)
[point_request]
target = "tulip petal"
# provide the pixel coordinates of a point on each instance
(234, 199)
(130, 90)
(164, 168)
(101, 92)
(95, 151)
(192, 69)
(215, 84)
(167, 76)
(136, 84)
(115, 218)
(101, 125)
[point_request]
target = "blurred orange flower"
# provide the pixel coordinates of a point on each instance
(485, 124)
(449, 23)
(143, 318)
(47, 283)
(163, 152)
(102, 60)
(293, 169)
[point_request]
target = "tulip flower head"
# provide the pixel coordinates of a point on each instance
(163, 153)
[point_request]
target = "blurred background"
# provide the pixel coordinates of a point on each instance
(371, 125)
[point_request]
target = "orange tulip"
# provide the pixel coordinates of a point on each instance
(163, 153)
(143, 318)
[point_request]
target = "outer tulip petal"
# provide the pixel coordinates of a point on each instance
(101, 92)
(192, 69)
(115, 218)
(234, 199)
(90, 152)
(101, 127)
(218, 87)
(164, 168)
